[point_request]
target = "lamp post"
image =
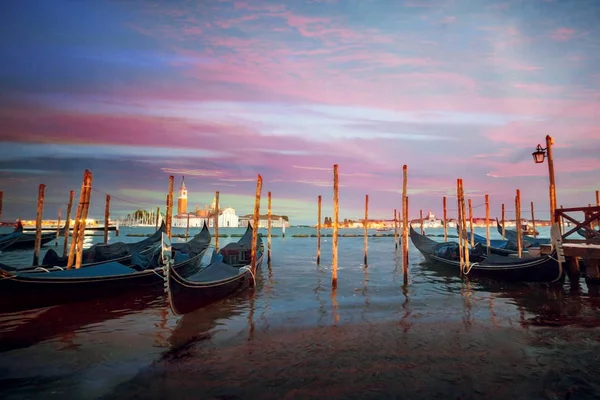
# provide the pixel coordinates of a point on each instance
(538, 156)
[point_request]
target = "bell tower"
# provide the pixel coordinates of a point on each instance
(182, 199)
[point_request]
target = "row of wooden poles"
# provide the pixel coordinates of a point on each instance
(75, 252)
(462, 223)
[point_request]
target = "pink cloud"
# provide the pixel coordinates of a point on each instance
(528, 134)
(562, 34)
(538, 88)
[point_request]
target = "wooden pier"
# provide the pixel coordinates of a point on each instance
(578, 248)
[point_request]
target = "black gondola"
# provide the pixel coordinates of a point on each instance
(497, 246)
(99, 253)
(26, 241)
(528, 241)
(8, 239)
(499, 268)
(228, 272)
(41, 288)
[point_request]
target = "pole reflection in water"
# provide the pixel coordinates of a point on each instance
(251, 315)
(317, 290)
(493, 311)
(465, 292)
(267, 306)
(334, 302)
(365, 293)
(160, 339)
(405, 320)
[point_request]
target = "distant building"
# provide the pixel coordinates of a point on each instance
(182, 199)
(196, 219)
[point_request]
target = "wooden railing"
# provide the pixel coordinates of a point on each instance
(589, 225)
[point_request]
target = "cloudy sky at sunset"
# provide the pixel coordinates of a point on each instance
(220, 91)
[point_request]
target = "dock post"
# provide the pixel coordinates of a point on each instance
(157, 218)
(396, 228)
(216, 218)
(68, 222)
(269, 228)
(366, 226)
(84, 214)
(336, 217)
(472, 233)
(78, 213)
(255, 224)
(421, 222)
(533, 220)
(38, 224)
(319, 230)
(169, 214)
(503, 224)
(487, 223)
(106, 218)
(58, 221)
(187, 226)
(405, 222)
(445, 220)
(518, 222)
(459, 223)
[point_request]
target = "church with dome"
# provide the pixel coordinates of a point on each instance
(227, 217)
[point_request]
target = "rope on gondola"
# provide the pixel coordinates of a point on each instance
(465, 270)
(249, 269)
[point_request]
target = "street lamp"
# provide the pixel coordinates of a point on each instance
(538, 156)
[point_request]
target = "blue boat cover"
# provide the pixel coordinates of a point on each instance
(102, 270)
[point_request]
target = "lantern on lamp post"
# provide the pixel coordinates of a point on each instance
(538, 157)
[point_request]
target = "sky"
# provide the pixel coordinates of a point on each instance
(220, 91)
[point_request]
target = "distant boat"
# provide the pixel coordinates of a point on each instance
(383, 229)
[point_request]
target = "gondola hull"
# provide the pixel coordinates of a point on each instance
(184, 298)
(498, 268)
(27, 242)
(34, 290)
(220, 279)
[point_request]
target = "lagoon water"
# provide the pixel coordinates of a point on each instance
(293, 337)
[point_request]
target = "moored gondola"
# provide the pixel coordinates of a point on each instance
(228, 272)
(44, 287)
(497, 246)
(499, 268)
(528, 241)
(99, 253)
(26, 241)
(9, 239)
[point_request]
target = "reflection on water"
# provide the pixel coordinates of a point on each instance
(379, 333)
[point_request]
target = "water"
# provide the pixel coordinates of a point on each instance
(294, 337)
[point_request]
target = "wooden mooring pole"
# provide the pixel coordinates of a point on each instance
(157, 218)
(459, 219)
(75, 233)
(187, 226)
(58, 226)
(366, 226)
(319, 230)
(597, 200)
(503, 223)
(488, 241)
(405, 222)
(445, 220)
(38, 224)
(169, 214)
(396, 233)
(421, 222)
(216, 219)
(464, 223)
(269, 228)
(84, 214)
(68, 222)
(518, 222)
(336, 216)
(471, 235)
(106, 218)
(533, 220)
(255, 223)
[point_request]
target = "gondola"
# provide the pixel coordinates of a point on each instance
(528, 241)
(498, 268)
(99, 253)
(44, 287)
(8, 239)
(497, 246)
(26, 241)
(228, 272)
